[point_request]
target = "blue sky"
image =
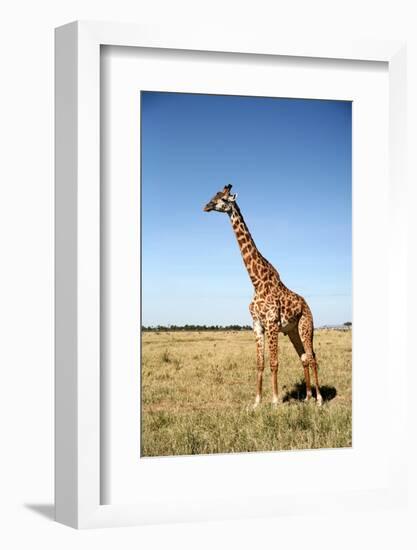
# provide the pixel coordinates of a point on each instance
(289, 160)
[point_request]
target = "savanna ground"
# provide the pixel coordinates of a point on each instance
(198, 389)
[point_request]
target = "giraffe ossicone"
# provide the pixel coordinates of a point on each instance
(274, 307)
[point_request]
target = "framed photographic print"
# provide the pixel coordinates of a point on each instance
(227, 218)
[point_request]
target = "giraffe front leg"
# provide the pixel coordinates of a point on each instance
(260, 359)
(273, 358)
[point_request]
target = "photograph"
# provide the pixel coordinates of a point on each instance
(246, 274)
(208, 261)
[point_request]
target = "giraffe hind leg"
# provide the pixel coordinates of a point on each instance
(308, 358)
(294, 336)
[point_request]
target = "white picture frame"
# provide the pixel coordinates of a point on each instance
(78, 405)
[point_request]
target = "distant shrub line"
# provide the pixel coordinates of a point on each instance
(202, 328)
(173, 328)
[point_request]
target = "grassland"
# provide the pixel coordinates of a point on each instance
(198, 388)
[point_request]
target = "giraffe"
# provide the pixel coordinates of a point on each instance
(274, 307)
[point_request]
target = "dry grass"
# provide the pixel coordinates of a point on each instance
(198, 388)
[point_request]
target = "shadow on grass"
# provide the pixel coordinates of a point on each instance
(298, 392)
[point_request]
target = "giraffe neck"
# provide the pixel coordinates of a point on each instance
(259, 269)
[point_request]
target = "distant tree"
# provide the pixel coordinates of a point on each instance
(348, 324)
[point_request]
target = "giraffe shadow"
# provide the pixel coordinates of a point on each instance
(298, 392)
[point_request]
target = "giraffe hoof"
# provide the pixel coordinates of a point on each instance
(307, 398)
(274, 404)
(255, 405)
(319, 401)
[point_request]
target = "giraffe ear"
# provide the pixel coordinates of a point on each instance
(232, 197)
(227, 189)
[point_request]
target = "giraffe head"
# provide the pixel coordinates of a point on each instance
(222, 201)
